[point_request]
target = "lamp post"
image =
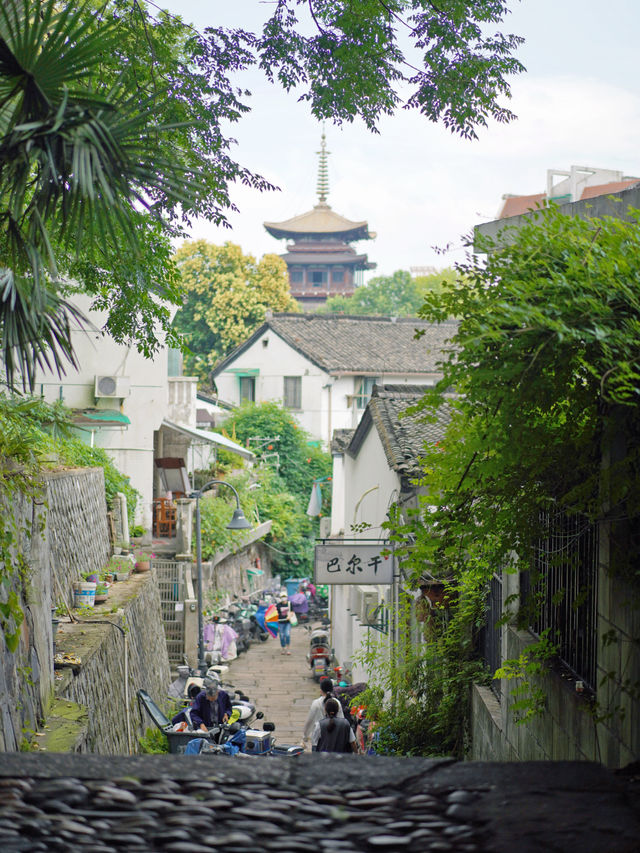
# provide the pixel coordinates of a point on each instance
(238, 522)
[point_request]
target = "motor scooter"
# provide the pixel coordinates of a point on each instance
(319, 654)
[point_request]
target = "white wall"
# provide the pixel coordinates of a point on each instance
(146, 405)
(274, 361)
(326, 401)
(370, 486)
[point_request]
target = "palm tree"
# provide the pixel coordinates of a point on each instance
(79, 165)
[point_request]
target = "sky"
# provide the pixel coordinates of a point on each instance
(420, 188)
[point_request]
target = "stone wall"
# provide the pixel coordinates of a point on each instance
(69, 535)
(99, 684)
(77, 531)
(231, 574)
(566, 729)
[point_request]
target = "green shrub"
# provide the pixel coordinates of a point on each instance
(153, 742)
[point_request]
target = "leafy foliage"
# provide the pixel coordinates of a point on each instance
(280, 494)
(429, 682)
(355, 62)
(75, 453)
(397, 295)
(79, 169)
(112, 140)
(226, 296)
(300, 463)
(547, 358)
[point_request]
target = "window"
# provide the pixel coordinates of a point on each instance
(363, 386)
(293, 392)
(318, 277)
(337, 276)
(247, 388)
(296, 276)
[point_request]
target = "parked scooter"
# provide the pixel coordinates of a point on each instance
(319, 654)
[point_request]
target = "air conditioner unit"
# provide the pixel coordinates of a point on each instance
(112, 386)
(368, 603)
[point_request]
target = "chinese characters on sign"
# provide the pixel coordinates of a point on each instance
(339, 562)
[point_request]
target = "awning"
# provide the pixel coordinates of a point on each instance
(97, 418)
(205, 436)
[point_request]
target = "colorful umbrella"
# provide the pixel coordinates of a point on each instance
(271, 620)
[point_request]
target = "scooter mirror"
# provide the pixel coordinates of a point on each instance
(259, 715)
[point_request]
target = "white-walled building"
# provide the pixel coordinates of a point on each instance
(373, 469)
(322, 367)
(131, 407)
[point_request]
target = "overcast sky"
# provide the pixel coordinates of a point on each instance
(418, 186)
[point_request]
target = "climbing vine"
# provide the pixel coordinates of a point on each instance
(546, 366)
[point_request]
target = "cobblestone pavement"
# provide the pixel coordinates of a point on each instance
(311, 804)
(281, 686)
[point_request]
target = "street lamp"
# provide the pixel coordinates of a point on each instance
(238, 522)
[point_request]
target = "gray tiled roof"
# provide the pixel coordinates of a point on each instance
(403, 437)
(374, 345)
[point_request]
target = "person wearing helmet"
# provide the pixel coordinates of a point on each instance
(284, 625)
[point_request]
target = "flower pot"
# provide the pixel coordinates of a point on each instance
(122, 576)
(84, 594)
(143, 566)
(102, 592)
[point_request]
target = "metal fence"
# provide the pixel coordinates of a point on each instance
(562, 589)
(491, 640)
(171, 583)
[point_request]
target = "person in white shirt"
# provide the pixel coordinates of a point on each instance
(316, 711)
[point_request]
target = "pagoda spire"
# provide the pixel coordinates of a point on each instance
(323, 171)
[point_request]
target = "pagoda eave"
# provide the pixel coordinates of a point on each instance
(358, 262)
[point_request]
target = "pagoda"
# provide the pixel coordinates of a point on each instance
(321, 260)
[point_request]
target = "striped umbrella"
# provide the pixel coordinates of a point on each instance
(271, 620)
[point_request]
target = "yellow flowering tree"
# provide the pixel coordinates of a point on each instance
(226, 295)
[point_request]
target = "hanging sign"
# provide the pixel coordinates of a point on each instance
(341, 563)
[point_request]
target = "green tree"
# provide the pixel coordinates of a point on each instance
(293, 463)
(546, 360)
(111, 136)
(81, 177)
(397, 295)
(270, 428)
(226, 296)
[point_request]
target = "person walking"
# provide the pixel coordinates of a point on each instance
(284, 625)
(316, 710)
(332, 734)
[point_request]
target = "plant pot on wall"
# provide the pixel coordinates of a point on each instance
(143, 566)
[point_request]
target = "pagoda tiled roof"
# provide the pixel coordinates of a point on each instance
(321, 220)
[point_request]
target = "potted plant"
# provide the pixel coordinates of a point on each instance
(143, 561)
(120, 567)
(102, 591)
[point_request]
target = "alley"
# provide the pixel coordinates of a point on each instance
(281, 686)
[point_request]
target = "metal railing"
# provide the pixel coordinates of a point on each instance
(491, 639)
(562, 589)
(171, 585)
